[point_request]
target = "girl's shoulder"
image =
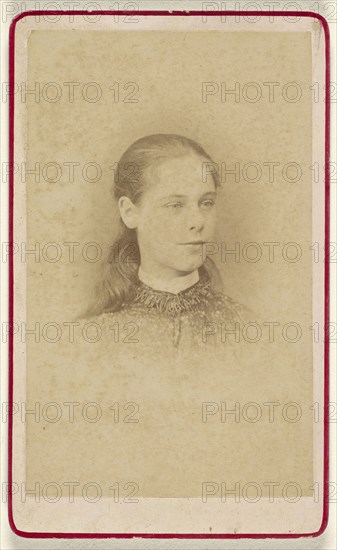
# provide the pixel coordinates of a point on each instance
(229, 309)
(105, 320)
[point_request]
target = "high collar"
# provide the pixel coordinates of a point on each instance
(174, 286)
(190, 299)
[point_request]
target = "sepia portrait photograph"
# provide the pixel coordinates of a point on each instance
(170, 301)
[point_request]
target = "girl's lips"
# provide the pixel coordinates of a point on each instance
(194, 242)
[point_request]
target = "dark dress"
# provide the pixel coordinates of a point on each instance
(193, 317)
(151, 370)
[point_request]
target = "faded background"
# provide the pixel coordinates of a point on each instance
(169, 69)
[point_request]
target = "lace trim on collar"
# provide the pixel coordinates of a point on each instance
(166, 302)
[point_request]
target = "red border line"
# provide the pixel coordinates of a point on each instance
(326, 273)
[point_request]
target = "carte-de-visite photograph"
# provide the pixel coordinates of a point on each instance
(168, 325)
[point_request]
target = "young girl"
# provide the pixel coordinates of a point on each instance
(158, 273)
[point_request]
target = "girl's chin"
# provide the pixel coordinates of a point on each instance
(188, 267)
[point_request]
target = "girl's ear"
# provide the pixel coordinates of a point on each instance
(128, 212)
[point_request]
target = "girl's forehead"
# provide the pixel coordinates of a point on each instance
(184, 172)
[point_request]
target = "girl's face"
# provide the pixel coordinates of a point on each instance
(175, 216)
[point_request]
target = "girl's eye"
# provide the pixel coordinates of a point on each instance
(174, 205)
(208, 203)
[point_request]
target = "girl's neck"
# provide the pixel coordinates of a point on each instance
(174, 285)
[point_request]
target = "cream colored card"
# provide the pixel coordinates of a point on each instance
(161, 385)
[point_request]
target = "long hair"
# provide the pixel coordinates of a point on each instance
(120, 273)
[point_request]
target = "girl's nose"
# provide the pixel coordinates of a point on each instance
(196, 220)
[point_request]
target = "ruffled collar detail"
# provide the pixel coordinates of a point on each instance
(190, 299)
